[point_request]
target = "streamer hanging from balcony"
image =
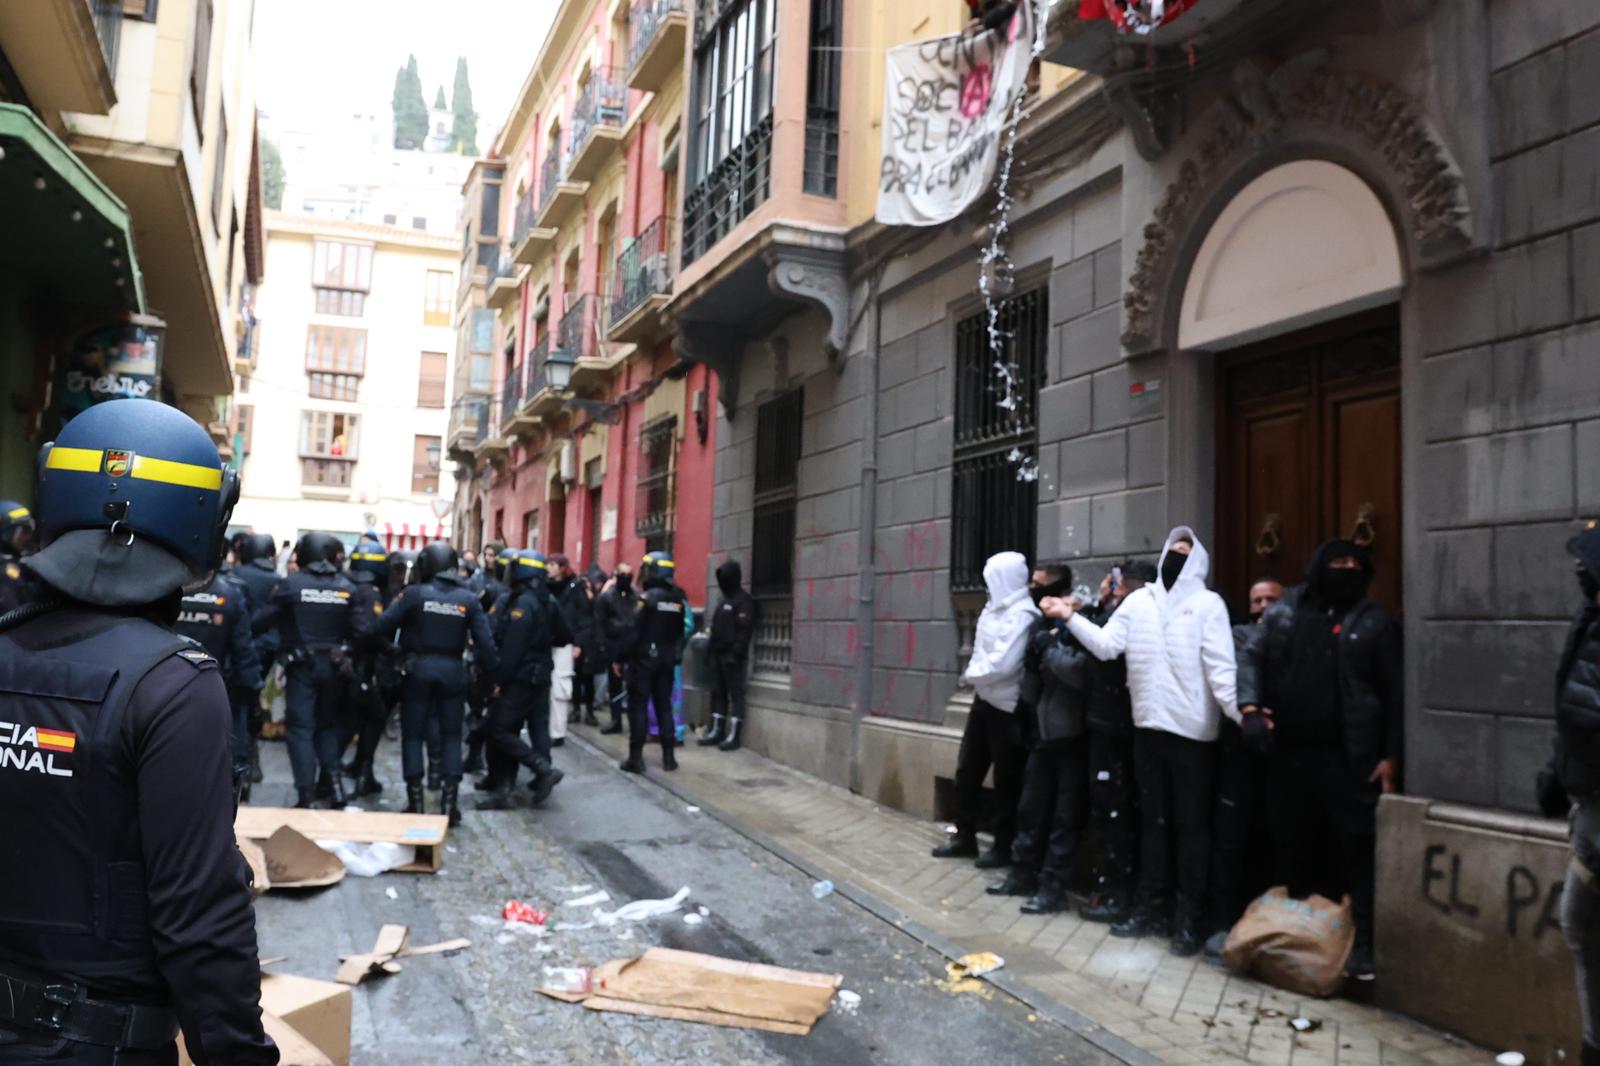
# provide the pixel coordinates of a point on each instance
(1134, 16)
(946, 100)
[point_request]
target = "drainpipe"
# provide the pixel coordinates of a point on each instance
(865, 605)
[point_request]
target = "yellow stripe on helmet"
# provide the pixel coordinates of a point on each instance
(17, 514)
(188, 475)
(667, 563)
(369, 557)
(524, 561)
(83, 460)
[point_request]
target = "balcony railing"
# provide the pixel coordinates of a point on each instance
(576, 335)
(603, 102)
(644, 270)
(735, 187)
(511, 394)
(551, 175)
(774, 635)
(526, 210)
(326, 473)
(644, 22)
(108, 26)
(535, 367)
(480, 429)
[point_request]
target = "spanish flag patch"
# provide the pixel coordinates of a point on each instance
(56, 739)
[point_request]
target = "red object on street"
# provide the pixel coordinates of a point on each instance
(517, 911)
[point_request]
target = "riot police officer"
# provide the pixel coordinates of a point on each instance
(313, 610)
(127, 905)
(656, 649)
(366, 712)
(495, 591)
(531, 627)
(253, 570)
(434, 620)
(217, 618)
(16, 537)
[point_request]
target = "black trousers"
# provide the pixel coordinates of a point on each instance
(434, 703)
(40, 1049)
(994, 738)
(1113, 810)
(1241, 857)
(583, 690)
(617, 692)
(311, 717)
(1324, 827)
(1053, 809)
(728, 685)
(650, 685)
(1176, 778)
(520, 704)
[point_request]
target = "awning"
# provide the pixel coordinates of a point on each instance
(407, 538)
(66, 233)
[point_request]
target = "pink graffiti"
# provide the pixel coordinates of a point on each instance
(975, 89)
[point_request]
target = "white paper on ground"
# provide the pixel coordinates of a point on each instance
(370, 860)
(641, 909)
(590, 900)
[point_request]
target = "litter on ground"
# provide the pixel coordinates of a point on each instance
(641, 909)
(517, 911)
(590, 900)
(847, 1000)
(975, 965)
(394, 942)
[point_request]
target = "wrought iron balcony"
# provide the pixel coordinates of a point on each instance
(535, 368)
(510, 395)
(575, 336)
(528, 239)
(503, 283)
(641, 282)
(597, 120)
(559, 192)
(734, 188)
(657, 30)
(550, 176)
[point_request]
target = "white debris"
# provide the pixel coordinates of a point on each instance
(391, 893)
(370, 860)
(590, 900)
(573, 890)
(504, 938)
(692, 809)
(847, 1000)
(1511, 1058)
(573, 927)
(705, 912)
(641, 909)
(692, 919)
(822, 889)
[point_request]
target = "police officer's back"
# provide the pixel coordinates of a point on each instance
(434, 619)
(313, 611)
(656, 649)
(366, 712)
(16, 538)
(125, 887)
(218, 619)
(529, 626)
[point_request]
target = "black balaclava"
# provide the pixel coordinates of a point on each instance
(729, 576)
(623, 579)
(1171, 567)
(1059, 587)
(1340, 589)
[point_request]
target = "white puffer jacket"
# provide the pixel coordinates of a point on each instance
(1179, 647)
(995, 669)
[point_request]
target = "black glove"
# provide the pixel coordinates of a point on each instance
(1257, 729)
(1553, 799)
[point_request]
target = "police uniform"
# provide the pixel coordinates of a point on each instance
(126, 904)
(529, 629)
(366, 713)
(16, 533)
(217, 618)
(657, 648)
(495, 593)
(313, 609)
(434, 621)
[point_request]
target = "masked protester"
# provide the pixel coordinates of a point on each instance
(126, 905)
(1181, 674)
(1321, 692)
(1572, 780)
(615, 611)
(733, 624)
(995, 734)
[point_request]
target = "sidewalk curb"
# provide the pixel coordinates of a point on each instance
(1041, 1003)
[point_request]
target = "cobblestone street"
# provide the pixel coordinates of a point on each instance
(634, 840)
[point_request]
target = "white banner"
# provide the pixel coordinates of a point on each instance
(945, 101)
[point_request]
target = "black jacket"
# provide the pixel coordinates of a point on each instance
(658, 631)
(1108, 707)
(734, 621)
(528, 626)
(577, 608)
(438, 618)
(1371, 689)
(1055, 683)
(1576, 762)
(615, 612)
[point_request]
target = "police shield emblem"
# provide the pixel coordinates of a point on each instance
(117, 463)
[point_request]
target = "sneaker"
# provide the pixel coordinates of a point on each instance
(959, 846)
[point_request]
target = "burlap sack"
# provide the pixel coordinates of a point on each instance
(1300, 945)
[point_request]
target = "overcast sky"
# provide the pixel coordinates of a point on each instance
(319, 57)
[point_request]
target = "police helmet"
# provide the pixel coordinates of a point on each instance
(315, 548)
(528, 565)
(435, 559)
(503, 560)
(256, 546)
(133, 504)
(657, 565)
(370, 558)
(16, 528)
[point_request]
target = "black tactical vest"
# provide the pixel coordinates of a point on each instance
(320, 606)
(437, 622)
(208, 616)
(72, 899)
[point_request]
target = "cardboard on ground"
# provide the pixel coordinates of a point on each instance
(394, 942)
(686, 985)
(309, 1021)
(425, 832)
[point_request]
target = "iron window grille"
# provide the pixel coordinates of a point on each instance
(821, 176)
(994, 509)
(779, 427)
(655, 499)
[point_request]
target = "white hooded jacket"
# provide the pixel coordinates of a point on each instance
(995, 669)
(1179, 646)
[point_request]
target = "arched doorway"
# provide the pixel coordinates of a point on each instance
(1293, 289)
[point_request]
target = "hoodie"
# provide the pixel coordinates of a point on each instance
(1179, 648)
(995, 669)
(734, 622)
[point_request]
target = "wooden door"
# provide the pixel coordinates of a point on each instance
(1308, 447)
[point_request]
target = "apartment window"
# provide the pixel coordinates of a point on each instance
(333, 387)
(341, 265)
(329, 442)
(431, 379)
(336, 350)
(530, 528)
(389, 220)
(202, 63)
(419, 222)
(244, 426)
(733, 63)
(437, 296)
(219, 171)
(994, 509)
(778, 432)
(346, 303)
(425, 465)
(653, 508)
(140, 9)
(822, 100)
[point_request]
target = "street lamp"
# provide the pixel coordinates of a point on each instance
(558, 369)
